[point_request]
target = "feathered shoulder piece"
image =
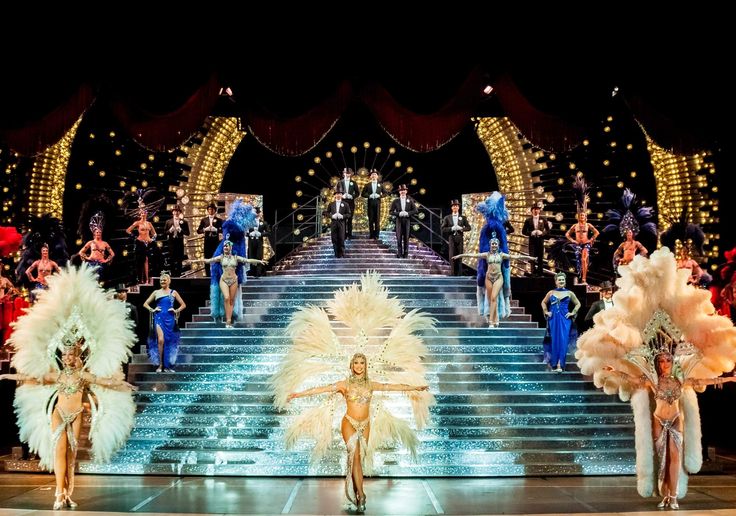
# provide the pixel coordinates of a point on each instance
(631, 216)
(494, 207)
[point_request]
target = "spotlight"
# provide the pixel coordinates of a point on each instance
(615, 91)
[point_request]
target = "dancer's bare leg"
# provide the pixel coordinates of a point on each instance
(71, 461)
(347, 433)
(226, 302)
(160, 341)
(233, 290)
(59, 458)
(584, 264)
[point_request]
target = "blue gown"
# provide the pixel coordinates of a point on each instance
(561, 330)
(167, 321)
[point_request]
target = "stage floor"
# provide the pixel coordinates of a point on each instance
(32, 494)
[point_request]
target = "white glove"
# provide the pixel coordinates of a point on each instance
(348, 196)
(375, 196)
(339, 216)
(403, 214)
(536, 232)
(211, 229)
(456, 228)
(335, 215)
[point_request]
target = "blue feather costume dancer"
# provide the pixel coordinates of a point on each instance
(496, 214)
(241, 217)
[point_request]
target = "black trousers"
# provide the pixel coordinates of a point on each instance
(374, 217)
(349, 220)
(403, 226)
(456, 246)
(255, 251)
(176, 255)
(536, 249)
(337, 232)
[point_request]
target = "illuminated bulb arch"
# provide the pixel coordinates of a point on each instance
(48, 176)
(326, 170)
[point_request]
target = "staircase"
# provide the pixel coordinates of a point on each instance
(499, 412)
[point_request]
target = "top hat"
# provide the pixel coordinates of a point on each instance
(536, 204)
(121, 288)
(402, 188)
(339, 188)
(212, 205)
(606, 285)
(347, 170)
(454, 202)
(374, 171)
(176, 208)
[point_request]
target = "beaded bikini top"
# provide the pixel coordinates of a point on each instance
(67, 385)
(669, 389)
(359, 391)
(229, 261)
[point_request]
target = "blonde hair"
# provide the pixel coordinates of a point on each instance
(365, 359)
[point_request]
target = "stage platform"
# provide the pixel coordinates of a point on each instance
(32, 494)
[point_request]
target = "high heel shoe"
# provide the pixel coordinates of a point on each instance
(59, 502)
(673, 502)
(361, 503)
(664, 503)
(70, 503)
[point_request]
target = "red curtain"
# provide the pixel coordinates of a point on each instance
(49, 129)
(425, 133)
(299, 135)
(165, 132)
(543, 130)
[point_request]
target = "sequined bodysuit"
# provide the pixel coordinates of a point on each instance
(229, 264)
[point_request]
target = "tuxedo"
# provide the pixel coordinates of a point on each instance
(175, 240)
(337, 226)
(211, 227)
(536, 242)
(403, 224)
(255, 245)
(349, 188)
(373, 206)
(455, 239)
(596, 307)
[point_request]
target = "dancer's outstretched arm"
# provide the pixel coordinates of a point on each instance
(469, 255)
(704, 382)
(398, 387)
(109, 382)
(637, 381)
(333, 387)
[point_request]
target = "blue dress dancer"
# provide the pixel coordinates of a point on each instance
(497, 216)
(556, 307)
(163, 340)
(242, 216)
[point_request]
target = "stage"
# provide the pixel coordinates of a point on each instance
(30, 494)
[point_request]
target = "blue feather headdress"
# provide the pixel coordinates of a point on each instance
(631, 217)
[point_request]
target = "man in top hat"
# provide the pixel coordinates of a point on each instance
(536, 228)
(373, 191)
(121, 294)
(211, 227)
(175, 229)
(604, 303)
(453, 227)
(255, 242)
(349, 193)
(339, 212)
(402, 209)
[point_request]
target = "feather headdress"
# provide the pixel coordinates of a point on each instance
(631, 217)
(582, 197)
